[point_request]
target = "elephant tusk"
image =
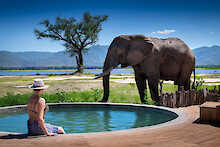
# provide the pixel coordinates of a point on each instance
(101, 75)
(98, 76)
(104, 73)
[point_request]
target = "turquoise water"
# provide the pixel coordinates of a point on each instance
(118, 71)
(79, 119)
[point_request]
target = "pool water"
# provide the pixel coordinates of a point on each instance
(84, 119)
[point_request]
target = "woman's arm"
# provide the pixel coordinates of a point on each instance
(41, 107)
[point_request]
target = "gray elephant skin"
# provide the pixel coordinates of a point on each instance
(152, 59)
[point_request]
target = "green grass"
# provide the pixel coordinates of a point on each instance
(59, 96)
(120, 93)
(124, 93)
(11, 100)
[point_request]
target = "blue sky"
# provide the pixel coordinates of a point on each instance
(197, 22)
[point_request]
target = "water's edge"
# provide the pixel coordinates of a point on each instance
(180, 116)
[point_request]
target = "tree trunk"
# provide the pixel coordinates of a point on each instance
(79, 61)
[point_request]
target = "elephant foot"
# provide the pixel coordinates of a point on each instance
(143, 101)
(103, 101)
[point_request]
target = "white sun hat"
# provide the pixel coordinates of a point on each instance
(38, 84)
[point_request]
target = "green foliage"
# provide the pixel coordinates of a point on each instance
(169, 87)
(149, 99)
(61, 95)
(199, 82)
(10, 99)
(97, 93)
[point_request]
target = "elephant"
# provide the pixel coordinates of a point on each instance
(152, 59)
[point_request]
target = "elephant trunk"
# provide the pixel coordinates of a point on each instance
(110, 63)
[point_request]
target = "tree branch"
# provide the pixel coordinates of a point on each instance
(88, 43)
(61, 38)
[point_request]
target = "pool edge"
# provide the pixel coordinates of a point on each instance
(181, 118)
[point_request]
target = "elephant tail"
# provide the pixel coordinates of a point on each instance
(194, 74)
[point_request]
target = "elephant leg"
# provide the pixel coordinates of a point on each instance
(106, 88)
(187, 84)
(161, 87)
(153, 86)
(141, 85)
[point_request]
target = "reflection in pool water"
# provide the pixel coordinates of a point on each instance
(79, 119)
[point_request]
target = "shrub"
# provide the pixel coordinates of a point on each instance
(149, 99)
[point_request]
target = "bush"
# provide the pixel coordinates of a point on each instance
(149, 99)
(11, 99)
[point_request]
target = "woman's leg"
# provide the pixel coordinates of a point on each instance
(54, 129)
(61, 130)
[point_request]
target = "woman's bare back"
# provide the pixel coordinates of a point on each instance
(34, 107)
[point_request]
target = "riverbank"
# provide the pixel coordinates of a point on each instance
(119, 71)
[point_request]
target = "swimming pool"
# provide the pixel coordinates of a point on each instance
(86, 118)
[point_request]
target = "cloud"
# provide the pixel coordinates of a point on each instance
(166, 31)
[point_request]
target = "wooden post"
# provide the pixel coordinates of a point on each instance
(171, 100)
(178, 99)
(197, 97)
(164, 99)
(165, 104)
(205, 94)
(161, 99)
(194, 97)
(168, 99)
(182, 93)
(174, 100)
(186, 98)
(201, 97)
(190, 98)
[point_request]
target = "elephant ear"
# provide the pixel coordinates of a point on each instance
(140, 47)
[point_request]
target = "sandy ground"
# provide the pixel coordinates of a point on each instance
(126, 79)
(118, 79)
(187, 134)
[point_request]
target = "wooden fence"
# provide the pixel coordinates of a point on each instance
(184, 98)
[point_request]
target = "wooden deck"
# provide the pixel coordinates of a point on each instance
(187, 134)
(210, 112)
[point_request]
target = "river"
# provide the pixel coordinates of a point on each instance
(117, 71)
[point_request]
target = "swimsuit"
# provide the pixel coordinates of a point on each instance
(34, 127)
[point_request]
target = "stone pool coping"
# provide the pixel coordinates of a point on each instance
(181, 116)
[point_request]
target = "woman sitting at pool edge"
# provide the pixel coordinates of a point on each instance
(36, 110)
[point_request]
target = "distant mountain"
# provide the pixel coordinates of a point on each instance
(207, 55)
(34, 59)
(94, 57)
